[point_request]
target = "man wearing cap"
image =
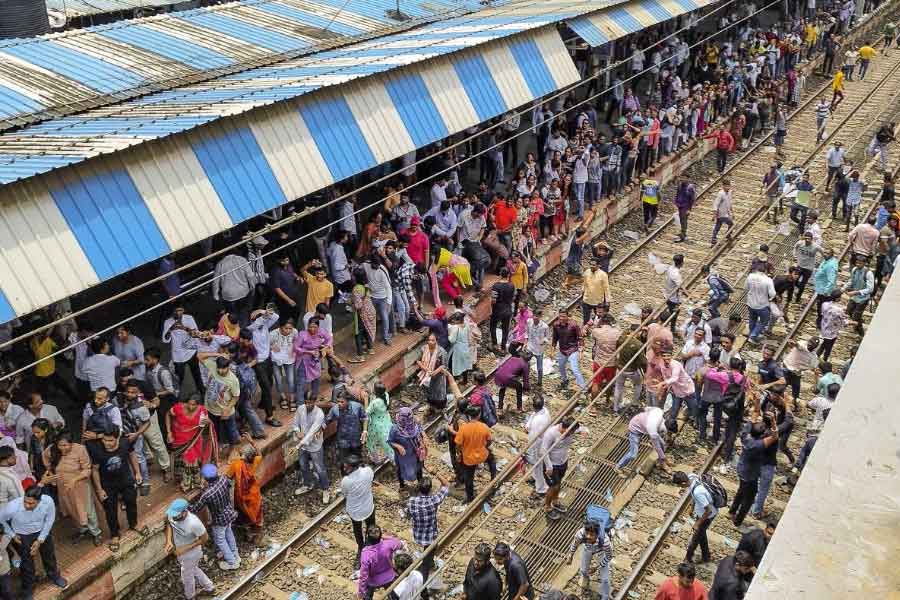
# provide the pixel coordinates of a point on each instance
(418, 247)
(217, 496)
(185, 536)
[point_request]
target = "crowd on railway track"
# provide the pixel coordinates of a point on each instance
(273, 342)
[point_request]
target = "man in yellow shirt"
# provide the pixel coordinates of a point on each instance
(866, 54)
(318, 289)
(518, 276)
(837, 86)
(596, 290)
(811, 35)
(43, 346)
(649, 192)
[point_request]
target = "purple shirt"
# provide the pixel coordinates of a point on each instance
(375, 566)
(567, 336)
(306, 351)
(511, 368)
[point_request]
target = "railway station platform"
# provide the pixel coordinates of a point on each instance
(840, 534)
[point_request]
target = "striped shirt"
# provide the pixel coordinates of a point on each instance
(604, 549)
(823, 110)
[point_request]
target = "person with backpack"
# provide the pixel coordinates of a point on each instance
(731, 398)
(708, 497)
(733, 403)
(596, 543)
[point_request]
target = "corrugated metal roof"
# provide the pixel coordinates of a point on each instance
(63, 73)
(603, 27)
(75, 227)
(111, 128)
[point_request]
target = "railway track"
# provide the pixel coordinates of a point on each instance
(318, 557)
(665, 535)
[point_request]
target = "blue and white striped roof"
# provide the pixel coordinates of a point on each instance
(64, 73)
(68, 140)
(75, 227)
(605, 26)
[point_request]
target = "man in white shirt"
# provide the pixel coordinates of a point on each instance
(356, 486)
(309, 422)
(100, 367)
(439, 192)
(36, 409)
(535, 425)
(672, 289)
(555, 447)
(694, 353)
(410, 588)
(176, 331)
(511, 123)
(722, 206)
(760, 292)
(835, 160)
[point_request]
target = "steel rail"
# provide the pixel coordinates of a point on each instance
(646, 558)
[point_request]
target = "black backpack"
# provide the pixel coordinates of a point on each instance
(733, 397)
(715, 489)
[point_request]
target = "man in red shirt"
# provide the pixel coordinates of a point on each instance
(504, 215)
(683, 586)
(724, 145)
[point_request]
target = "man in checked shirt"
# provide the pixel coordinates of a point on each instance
(596, 543)
(423, 510)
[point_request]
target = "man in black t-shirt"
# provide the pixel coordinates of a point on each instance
(482, 580)
(115, 473)
(503, 294)
(518, 582)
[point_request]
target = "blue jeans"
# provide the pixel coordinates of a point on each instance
(401, 308)
(223, 537)
(602, 573)
(634, 443)
(315, 460)
(141, 454)
(572, 359)
(766, 475)
(715, 302)
(690, 400)
(593, 192)
(248, 413)
(579, 199)
(758, 320)
(300, 383)
(226, 429)
(540, 367)
(383, 308)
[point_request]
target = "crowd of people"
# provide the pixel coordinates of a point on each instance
(197, 403)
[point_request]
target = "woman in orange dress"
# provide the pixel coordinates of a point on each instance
(242, 466)
(369, 234)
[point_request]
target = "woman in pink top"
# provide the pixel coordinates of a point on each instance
(376, 569)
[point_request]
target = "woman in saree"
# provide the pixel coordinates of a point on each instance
(192, 439)
(432, 380)
(242, 466)
(519, 332)
(379, 425)
(363, 317)
(68, 467)
(408, 441)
